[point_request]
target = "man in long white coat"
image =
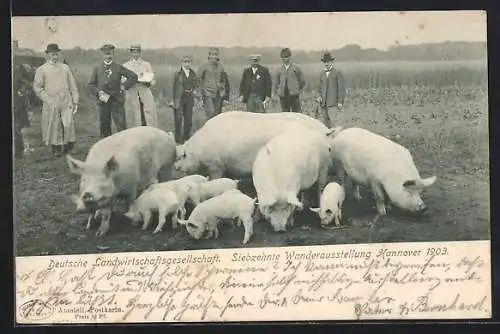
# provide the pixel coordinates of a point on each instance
(140, 107)
(55, 85)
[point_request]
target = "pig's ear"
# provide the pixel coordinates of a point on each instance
(75, 166)
(410, 184)
(111, 165)
(428, 181)
(315, 210)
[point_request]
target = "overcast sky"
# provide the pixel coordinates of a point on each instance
(307, 31)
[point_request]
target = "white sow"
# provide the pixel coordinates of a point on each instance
(228, 143)
(123, 164)
(231, 205)
(386, 167)
(286, 165)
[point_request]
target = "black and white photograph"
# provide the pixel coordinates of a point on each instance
(143, 133)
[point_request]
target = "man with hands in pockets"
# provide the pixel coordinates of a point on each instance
(331, 92)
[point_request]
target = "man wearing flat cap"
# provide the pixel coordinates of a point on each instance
(107, 85)
(256, 86)
(184, 91)
(140, 106)
(55, 86)
(289, 83)
(214, 84)
(331, 92)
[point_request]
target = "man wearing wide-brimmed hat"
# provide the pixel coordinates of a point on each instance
(107, 85)
(331, 92)
(55, 85)
(140, 106)
(256, 85)
(289, 83)
(214, 84)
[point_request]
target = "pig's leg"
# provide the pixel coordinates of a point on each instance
(378, 192)
(291, 220)
(248, 225)
(215, 172)
(337, 218)
(162, 213)
(175, 216)
(356, 193)
(92, 216)
(105, 214)
(147, 219)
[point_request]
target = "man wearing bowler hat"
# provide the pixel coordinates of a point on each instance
(331, 92)
(55, 86)
(256, 86)
(184, 91)
(289, 83)
(214, 84)
(140, 107)
(106, 84)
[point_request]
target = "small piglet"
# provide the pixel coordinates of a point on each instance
(164, 201)
(331, 201)
(206, 190)
(181, 187)
(231, 205)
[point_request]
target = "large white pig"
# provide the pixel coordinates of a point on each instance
(286, 165)
(368, 159)
(121, 165)
(228, 143)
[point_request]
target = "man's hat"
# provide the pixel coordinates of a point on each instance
(254, 57)
(213, 52)
(107, 47)
(134, 47)
(285, 53)
(52, 48)
(327, 57)
(186, 57)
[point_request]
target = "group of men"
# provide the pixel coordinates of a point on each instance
(124, 96)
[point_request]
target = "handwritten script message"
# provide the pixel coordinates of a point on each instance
(339, 282)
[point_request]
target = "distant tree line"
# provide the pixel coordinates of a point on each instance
(270, 55)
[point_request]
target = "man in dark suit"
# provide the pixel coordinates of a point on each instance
(106, 83)
(184, 88)
(20, 87)
(256, 86)
(331, 92)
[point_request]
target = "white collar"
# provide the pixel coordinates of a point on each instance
(105, 63)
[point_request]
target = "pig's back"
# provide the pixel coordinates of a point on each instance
(365, 154)
(134, 143)
(234, 138)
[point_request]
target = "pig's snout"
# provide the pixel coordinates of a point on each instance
(422, 208)
(88, 198)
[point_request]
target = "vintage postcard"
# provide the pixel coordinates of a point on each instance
(251, 167)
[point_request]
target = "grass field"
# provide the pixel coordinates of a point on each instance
(437, 110)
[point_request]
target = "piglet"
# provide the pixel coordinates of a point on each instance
(331, 201)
